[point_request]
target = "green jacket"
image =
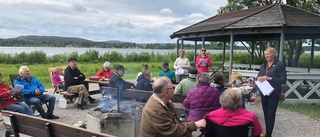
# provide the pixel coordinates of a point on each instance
(185, 85)
(170, 74)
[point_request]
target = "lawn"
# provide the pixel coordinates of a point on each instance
(41, 72)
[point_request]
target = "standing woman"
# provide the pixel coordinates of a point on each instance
(203, 61)
(274, 71)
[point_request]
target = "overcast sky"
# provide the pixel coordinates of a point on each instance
(137, 21)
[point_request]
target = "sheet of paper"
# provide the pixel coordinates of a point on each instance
(265, 87)
(17, 88)
(203, 62)
(180, 70)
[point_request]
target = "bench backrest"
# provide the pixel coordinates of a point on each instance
(138, 94)
(39, 127)
(13, 77)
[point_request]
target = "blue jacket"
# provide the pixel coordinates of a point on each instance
(170, 74)
(29, 87)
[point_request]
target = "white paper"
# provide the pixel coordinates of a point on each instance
(17, 88)
(180, 70)
(265, 87)
(203, 62)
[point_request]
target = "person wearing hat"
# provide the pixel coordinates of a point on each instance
(74, 83)
(140, 74)
(167, 72)
(187, 84)
(117, 81)
(181, 66)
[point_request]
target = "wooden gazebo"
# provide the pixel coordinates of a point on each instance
(276, 22)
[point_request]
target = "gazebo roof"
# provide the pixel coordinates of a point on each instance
(265, 22)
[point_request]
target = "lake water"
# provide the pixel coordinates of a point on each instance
(61, 50)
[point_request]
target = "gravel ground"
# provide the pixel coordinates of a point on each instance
(288, 124)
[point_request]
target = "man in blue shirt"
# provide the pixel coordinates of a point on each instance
(33, 92)
(167, 72)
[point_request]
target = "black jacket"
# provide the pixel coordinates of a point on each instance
(116, 80)
(69, 75)
(144, 84)
(277, 72)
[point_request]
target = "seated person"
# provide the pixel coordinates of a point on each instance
(105, 72)
(140, 76)
(187, 84)
(218, 81)
(33, 93)
(116, 79)
(144, 84)
(230, 113)
(7, 101)
(56, 78)
(202, 99)
(74, 83)
(167, 72)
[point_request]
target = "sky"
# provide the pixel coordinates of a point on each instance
(139, 21)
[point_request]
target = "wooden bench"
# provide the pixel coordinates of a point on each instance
(38, 127)
(142, 95)
(67, 95)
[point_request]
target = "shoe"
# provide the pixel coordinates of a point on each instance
(52, 117)
(93, 101)
(80, 106)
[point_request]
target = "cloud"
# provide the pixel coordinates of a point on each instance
(101, 20)
(166, 11)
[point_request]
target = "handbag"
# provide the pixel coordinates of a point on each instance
(282, 97)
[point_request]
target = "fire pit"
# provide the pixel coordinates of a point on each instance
(116, 118)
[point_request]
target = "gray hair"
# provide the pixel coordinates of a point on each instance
(230, 99)
(146, 73)
(22, 69)
(204, 78)
(106, 64)
(273, 51)
(161, 84)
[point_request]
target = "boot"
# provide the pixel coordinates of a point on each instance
(80, 106)
(92, 100)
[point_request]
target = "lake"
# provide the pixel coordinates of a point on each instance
(61, 50)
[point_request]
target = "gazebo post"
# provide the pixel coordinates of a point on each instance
(252, 50)
(177, 53)
(312, 54)
(231, 55)
(203, 43)
(224, 55)
(195, 52)
(281, 47)
(182, 44)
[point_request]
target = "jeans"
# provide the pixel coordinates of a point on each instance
(38, 100)
(269, 107)
(21, 108)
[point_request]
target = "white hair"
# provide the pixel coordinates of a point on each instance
(106, 64)
(22, 69)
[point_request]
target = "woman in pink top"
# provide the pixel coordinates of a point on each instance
(58, 78)
(203, 61)
(230, 113)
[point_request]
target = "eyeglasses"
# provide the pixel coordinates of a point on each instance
(171, 88)
(203, 50)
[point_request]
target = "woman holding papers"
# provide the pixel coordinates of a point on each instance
(203, 61)
(273, 71)
(7, 101)
(181, 65)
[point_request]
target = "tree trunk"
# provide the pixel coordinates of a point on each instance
(295, 61)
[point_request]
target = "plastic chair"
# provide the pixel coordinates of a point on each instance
(213, 129)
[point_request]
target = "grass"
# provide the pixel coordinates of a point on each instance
(312, 110)
(40, 71)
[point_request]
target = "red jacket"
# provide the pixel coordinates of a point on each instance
(203, 68)
(5, 98)
(238, 117)
(105, 74)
